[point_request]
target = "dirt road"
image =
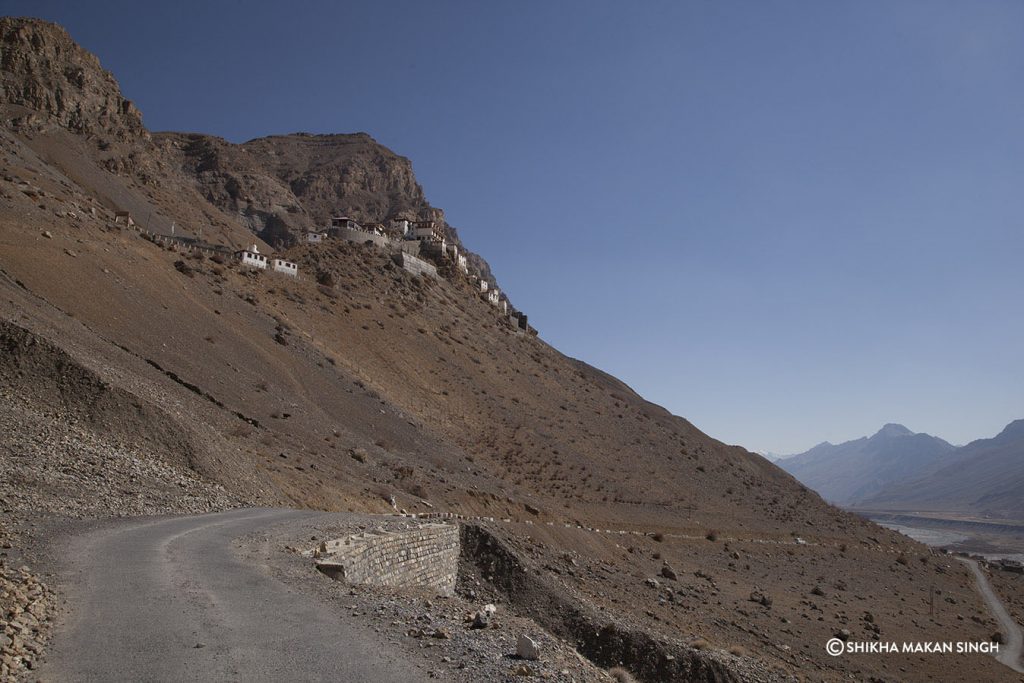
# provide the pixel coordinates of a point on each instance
(168, 600)
(1010, 650)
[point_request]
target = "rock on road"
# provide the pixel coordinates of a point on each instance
(168, 600)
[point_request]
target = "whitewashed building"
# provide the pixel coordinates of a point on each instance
(463, 264)
(316, 237)
(251, 257)
(494, 296)
(483, 285)
(279, 265)
(428, 231)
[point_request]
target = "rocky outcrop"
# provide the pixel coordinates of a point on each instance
(234, 180)
(283, 184)
(43, 70)
(353, 173)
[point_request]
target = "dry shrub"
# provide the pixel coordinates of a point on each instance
(621, 675)
(738, 650)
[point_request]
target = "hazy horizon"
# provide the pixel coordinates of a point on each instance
(789, 223)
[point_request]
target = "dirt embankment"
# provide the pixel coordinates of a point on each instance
(486, 561)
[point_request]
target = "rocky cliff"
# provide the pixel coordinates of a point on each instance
(285, 184)
(51, 77)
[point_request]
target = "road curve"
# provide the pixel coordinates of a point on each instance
(1009, 651)
(167, 600)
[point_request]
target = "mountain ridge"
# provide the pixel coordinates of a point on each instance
(984, 478)
(853, 470)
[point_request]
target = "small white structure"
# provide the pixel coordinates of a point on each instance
(251, 257)
(124, 217)
(316, 237)
(483, 285)
(279, 265)
(463, 264)
(494, 296)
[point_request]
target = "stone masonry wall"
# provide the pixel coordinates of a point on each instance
(361, 237)
(427, 556)
(414, 265)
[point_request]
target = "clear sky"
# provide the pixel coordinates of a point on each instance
(786, 221)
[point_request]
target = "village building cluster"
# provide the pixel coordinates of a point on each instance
(407, 240)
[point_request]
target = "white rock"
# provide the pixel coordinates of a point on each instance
(527, 648)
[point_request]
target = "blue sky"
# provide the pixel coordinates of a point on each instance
(786, 221)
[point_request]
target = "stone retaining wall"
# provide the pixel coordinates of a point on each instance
(362, 237)
(415, 265)
(427, 556)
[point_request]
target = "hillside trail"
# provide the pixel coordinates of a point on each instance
(1010, 650)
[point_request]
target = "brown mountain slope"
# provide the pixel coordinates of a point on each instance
(382, 385)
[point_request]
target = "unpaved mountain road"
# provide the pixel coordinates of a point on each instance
(1009, 651)
(168, 600)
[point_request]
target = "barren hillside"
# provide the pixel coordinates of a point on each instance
(358, 385)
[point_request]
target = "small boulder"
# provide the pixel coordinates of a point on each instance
(669, 573)
(481, 620)
(527, 648)
(760, 598)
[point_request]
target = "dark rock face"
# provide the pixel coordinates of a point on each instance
(45, 71)
(355, 172)
(283, 184)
